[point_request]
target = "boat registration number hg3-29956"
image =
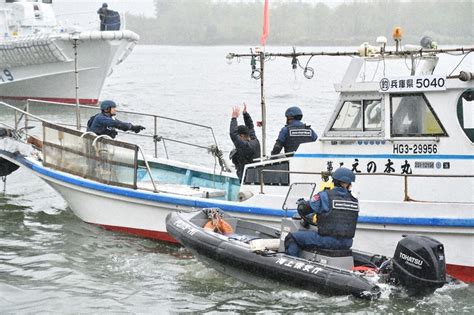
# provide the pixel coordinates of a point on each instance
(417, 148)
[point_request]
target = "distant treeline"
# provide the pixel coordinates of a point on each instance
(214, 22)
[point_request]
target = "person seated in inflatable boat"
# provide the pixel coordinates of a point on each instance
(335, 211)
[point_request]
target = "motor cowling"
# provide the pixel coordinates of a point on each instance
(419, 264)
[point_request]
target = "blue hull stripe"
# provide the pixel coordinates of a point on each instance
(232, 207)
(387, 156)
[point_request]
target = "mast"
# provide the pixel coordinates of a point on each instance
(76, 81)
(262, 102)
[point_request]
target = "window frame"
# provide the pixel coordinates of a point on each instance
(401, 95)
(357, 133)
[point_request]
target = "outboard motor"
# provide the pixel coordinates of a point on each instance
(419, 264)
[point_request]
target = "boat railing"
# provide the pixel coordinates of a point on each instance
(211, 146)
(86, 20)
(67, 149)
(325, 177)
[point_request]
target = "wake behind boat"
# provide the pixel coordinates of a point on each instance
(254, 253)
(37, 55)
(421, 134)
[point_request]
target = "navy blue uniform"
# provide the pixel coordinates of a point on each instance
(103, 124)
(337, 212)
(292, 135)
(245, 151)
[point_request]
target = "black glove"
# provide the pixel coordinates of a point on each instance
(137, 128)
(304, 224)
(301, 201)
(303, 207)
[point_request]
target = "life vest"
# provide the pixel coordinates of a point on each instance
(219, 225)
(341, 220)
(296, 136)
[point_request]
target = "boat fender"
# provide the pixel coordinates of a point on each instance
(244, 195)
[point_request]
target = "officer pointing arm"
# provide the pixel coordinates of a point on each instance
(105, 123)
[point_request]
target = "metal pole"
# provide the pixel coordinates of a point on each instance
(26, 118)
(76, 77)
(155, 134)
(264, 110)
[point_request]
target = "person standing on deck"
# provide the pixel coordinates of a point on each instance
(105, 123)
(247, 146)
(102, 12)
(294, 133)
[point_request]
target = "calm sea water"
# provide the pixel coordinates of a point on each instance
(51, 262)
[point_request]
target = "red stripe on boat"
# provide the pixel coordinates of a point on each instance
(463, 273)
(161, 236)
(82, 101)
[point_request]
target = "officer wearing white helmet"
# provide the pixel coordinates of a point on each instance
(334, 211)
(105, 123)
(294, 133)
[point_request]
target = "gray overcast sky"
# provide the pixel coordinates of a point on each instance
(67, 7)
(144, 7)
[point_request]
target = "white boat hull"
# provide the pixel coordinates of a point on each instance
(97, 54)
(137, 213)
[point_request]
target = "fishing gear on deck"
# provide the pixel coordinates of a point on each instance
(217, 153)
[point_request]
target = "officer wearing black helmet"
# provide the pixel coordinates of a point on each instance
(294, 133)
(247, 146)
(334, 211)
(105, 123)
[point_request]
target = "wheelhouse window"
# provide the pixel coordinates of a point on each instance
(412, 116)
(359, 115)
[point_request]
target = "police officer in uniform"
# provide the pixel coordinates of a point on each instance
(294, 133)
(335, 211)
(105, 123)
(247, 146)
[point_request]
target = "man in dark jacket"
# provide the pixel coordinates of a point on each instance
(105, 123)
(102, 12)
(335, 211)
(247, 146)
(294, 133)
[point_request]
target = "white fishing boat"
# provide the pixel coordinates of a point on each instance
(408, 137)
(41, 59)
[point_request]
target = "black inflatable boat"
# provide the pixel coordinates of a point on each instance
(254, 253)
